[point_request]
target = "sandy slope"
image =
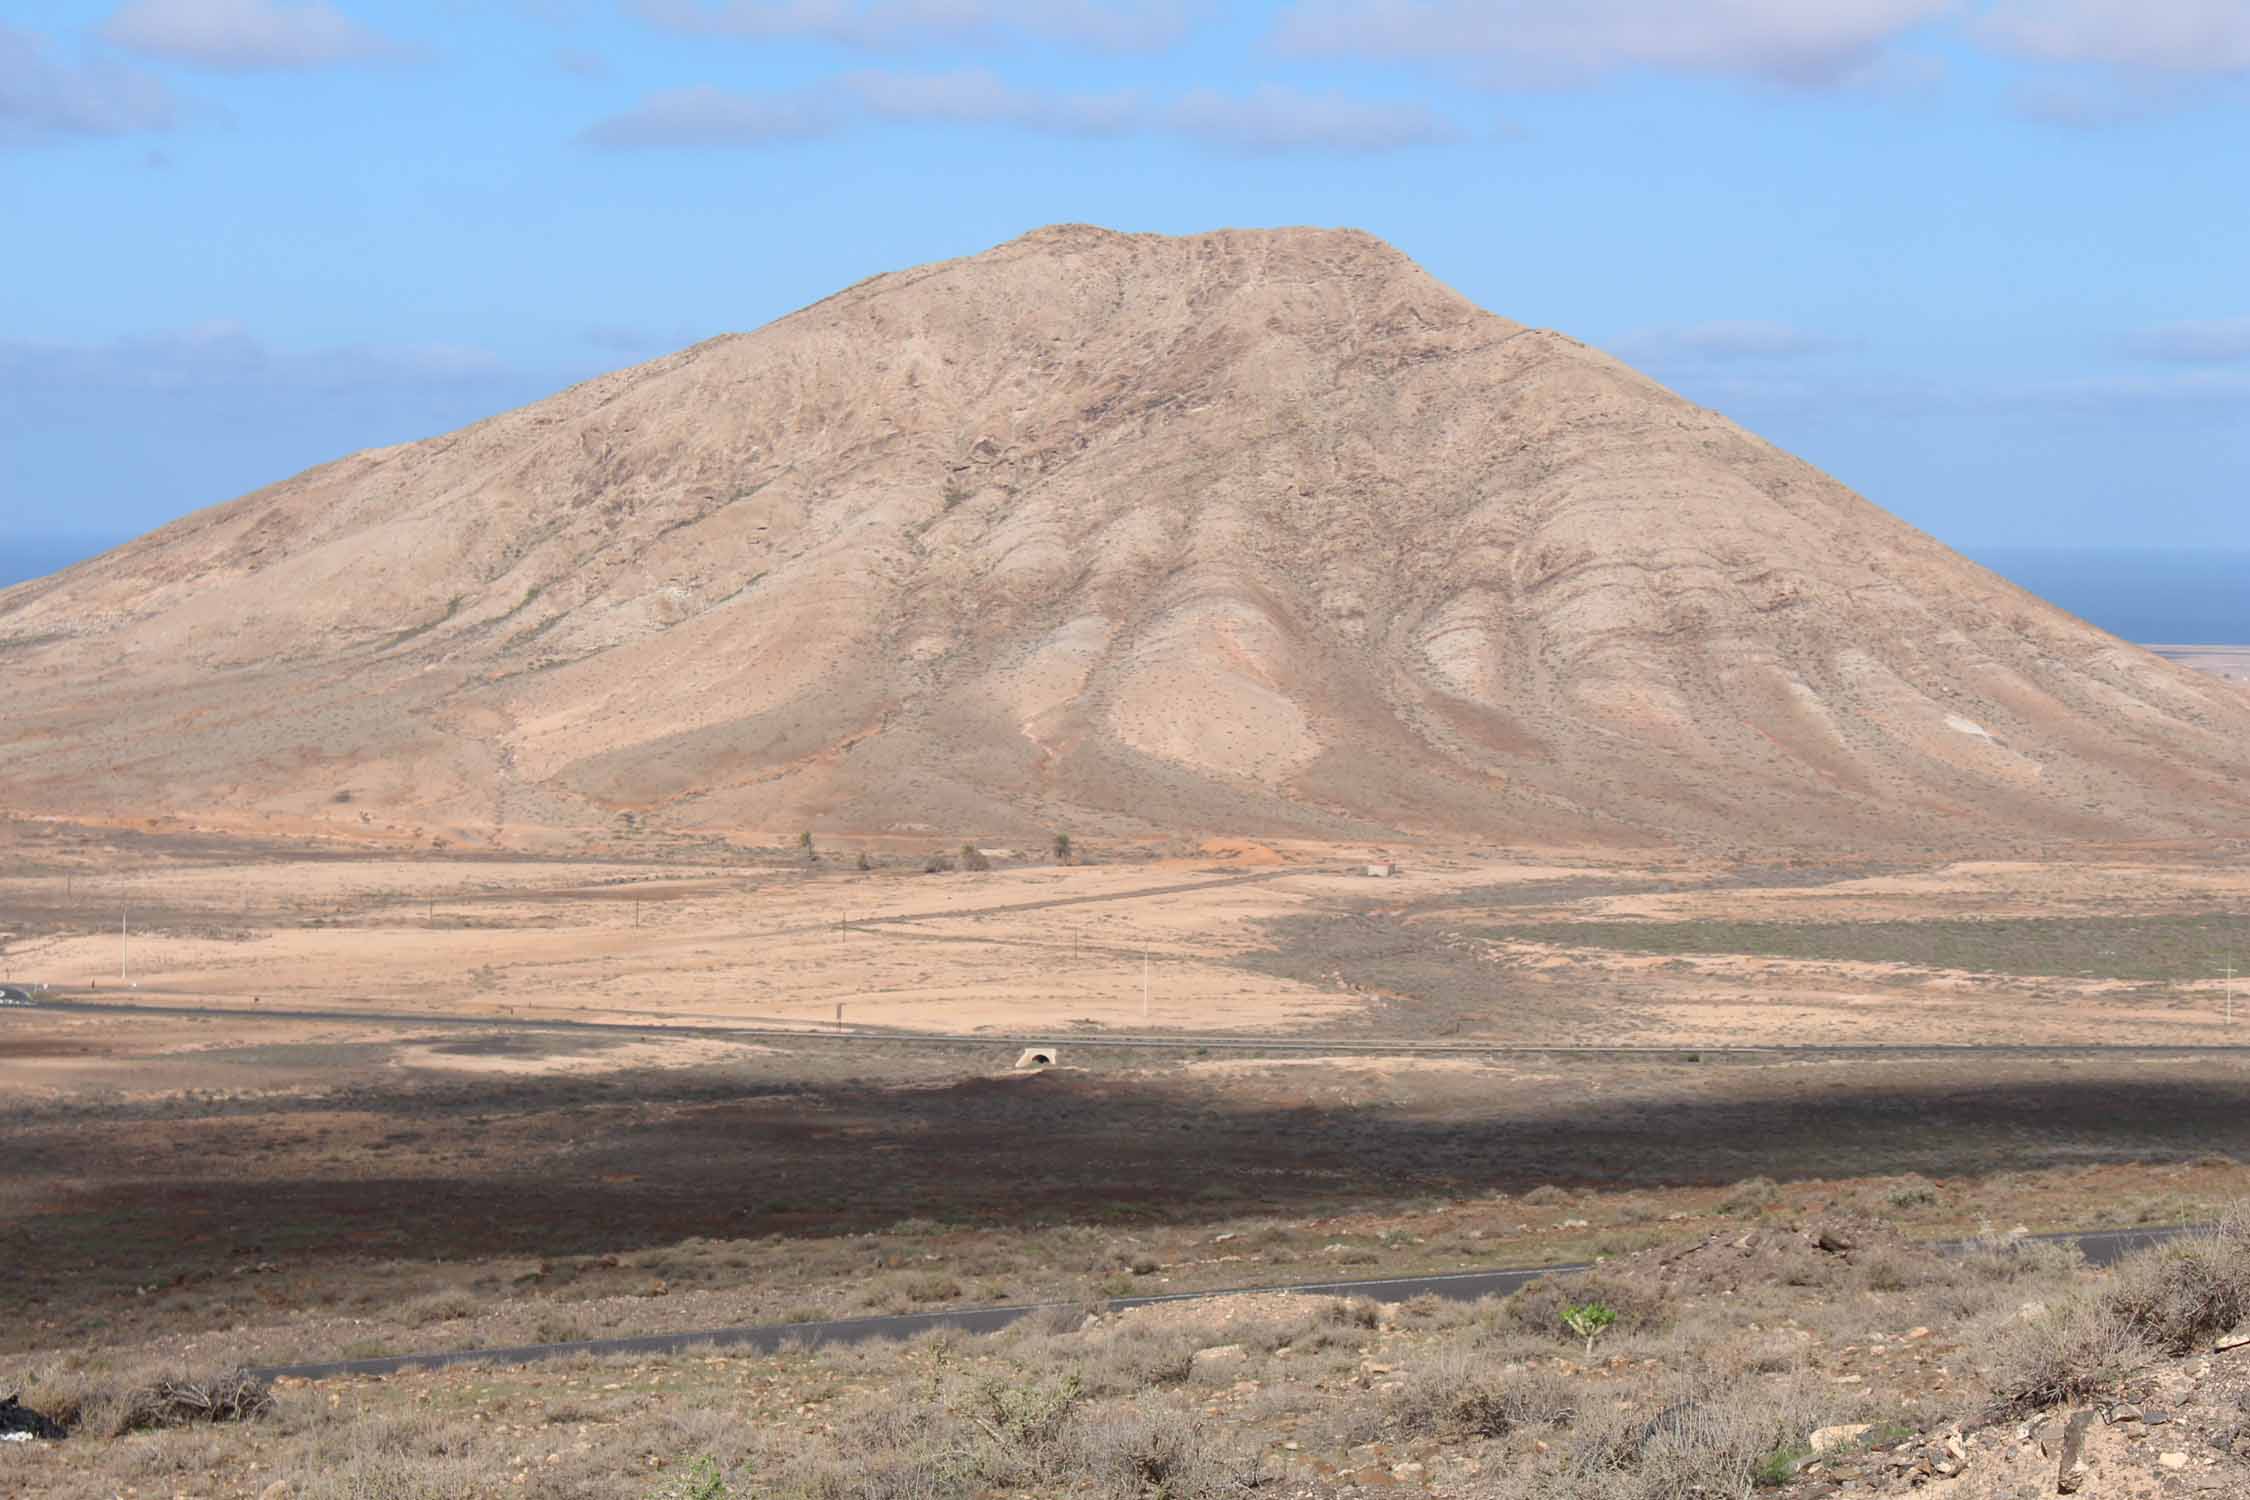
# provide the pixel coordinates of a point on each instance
(1259, 532)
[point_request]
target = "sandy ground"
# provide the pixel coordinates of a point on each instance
(1253, 940)
(959, 952)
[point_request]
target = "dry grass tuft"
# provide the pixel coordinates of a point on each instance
(2170, 1300)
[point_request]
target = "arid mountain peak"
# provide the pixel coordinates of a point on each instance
(1249, 532)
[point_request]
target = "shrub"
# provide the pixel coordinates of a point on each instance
(1709, 1439)
(1751, 1196)
(701, 1480)
(2169, 1300)
(972, 858)
(1062, 848)
(932, 1286)
(937, 864)
(1540, 1307)
(2064, 1354)
(1458, 1395)
(1912, 1191)
(180, 1402)
(1145, 1450)
(1027, 1416)
(2180, 1295)
(1138, 1357)
(1588, 1320)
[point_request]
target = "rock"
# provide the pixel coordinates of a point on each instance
(2070, 1469)
(1218, 1354)
(1830, 1241)
(278, 1490)
(2174, 1460)
(1827, 1439)
(1407, 1470)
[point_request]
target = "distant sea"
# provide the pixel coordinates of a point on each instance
(37, 555)
(2155, 595)
(2158, 595)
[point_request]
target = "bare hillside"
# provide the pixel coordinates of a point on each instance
(1248, 532)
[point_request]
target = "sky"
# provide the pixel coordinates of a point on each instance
(1980, 259)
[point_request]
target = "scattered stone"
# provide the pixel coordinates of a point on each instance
(1218, 1354)
(2174, 1460)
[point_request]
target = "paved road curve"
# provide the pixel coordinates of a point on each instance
(2101, 1247)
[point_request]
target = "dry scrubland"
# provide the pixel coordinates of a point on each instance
(188, 1191)
(1808, 1360)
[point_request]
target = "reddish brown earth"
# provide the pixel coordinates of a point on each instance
(1264, 533)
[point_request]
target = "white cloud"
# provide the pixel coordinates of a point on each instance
(883, 25)
(1282, 119)
(2172, 36)
(222, 353)
(242, 36)
(2209, 341)
(707, 116)
(975, 96)
(1724, 341)
(1270, 119)
(1812, 43)
(42, 100)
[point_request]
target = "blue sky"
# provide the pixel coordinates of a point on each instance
(1981, 260)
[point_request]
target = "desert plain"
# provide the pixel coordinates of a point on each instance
(603, 873)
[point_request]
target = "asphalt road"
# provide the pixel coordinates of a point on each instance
(1172, 1042)
(2101, 1247)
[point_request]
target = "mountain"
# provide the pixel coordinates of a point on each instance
(1259, 532)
